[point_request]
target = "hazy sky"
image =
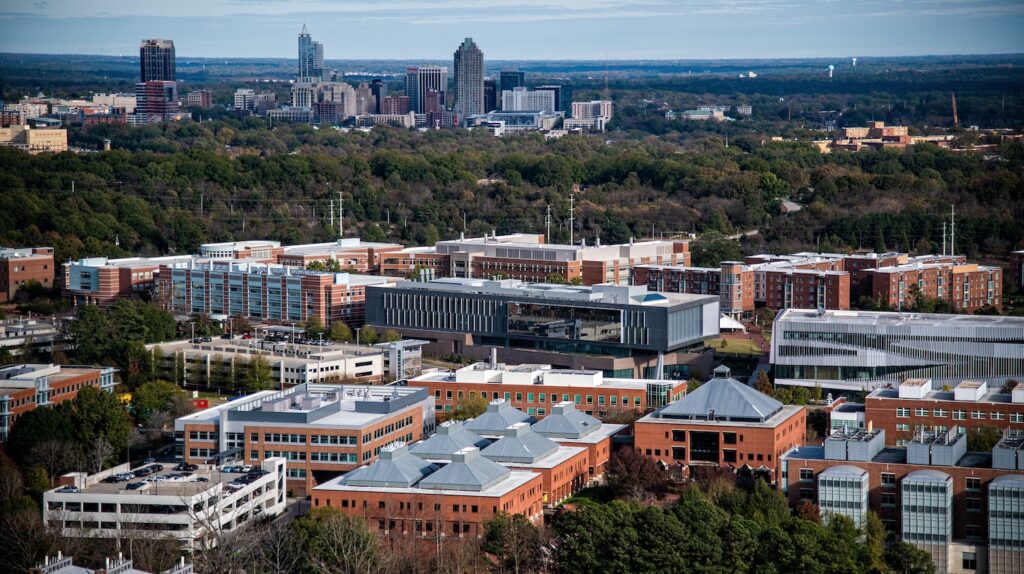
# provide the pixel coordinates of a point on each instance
(520, 29)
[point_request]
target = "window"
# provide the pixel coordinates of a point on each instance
(973, 483)
(902, 427)
(1017, 417)
(940, 413)
(888, 479)
(678, 436)
(970, 561)
(888, 499)
(920, 412)
(959, 415)
(902, 412)
(978, 415)
(998, 416)
(678, 453)
(973, 504)
(806, 474)
(973, 532)
(729, 438)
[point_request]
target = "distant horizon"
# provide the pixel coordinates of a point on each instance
(535, 30)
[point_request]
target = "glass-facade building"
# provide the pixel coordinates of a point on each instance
(843, 490)
(927, 517)
(1006, 524)
(859, 350)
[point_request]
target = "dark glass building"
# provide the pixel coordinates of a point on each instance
(156, 60)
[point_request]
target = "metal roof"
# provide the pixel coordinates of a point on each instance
(395, 468)
(926, 476)
(520, 444)
(499, 416)
(566, 422)
(467, 471)
(846, 470)
(723, 398)
(449, 439)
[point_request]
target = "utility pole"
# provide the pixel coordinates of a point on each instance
(572, 203)
(952, 230)
(341, 217)
(943, 237)
(330, 216)
(547, 225)
(956, 119)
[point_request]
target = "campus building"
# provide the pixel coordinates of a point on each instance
(916, 405)
(26, 387)
(966, 287)
(623, 331)
(866, 350)
(101, 281)
(19, 267)
(34, 140)
(536, 389)
(214, 363)
(323, 430)
(965, 508)
(185, 506)
(722, 423)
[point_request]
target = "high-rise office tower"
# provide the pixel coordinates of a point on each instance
(560, 102)
(512, 79)
(380, 91)
(490, 95)
(469, 79)
(311, 57)
(419, 81)
(156, 60)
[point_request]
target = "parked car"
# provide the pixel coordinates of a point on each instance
(187, 466)
(125, 476)
(226, 336)
(71, 489)
(202, 479)
(135, 485)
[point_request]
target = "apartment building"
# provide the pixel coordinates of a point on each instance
(723, 423)
(626, 332)
(323, 430)
(264, 291)
(19, 267)
(916, 405)
(290, 364)
(536, 389)
(966, 287)
(866, 350)
(191, 507)
(964, 508)
(27, 387)
(101, 281)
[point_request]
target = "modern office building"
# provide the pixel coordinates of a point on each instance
(510, 80)
(395, 106)
(264, 291)
(27, 387)
(490, 95)
(155, 101)
(379, 91)
(536, 389)
(352, 254)
(865, 350)
(964, 508)
(311, 58)
(723, 423)
(219, 361)
(101, 281)
(620, 330)
(245, 99)
(192, 507)
(323, 430)
(469, 79)
(34, 140)
(423, 79)
(591, 116)
(561, 99)
(20, 267)
(916, 405)
(521, 99)
(403, 359)
(156, 61)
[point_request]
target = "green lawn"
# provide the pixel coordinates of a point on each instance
(734, 346)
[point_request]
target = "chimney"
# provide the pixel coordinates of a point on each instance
(494, 357)
(871, 426)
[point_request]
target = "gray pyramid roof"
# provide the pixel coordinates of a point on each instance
(566, 422)
(395, 468)
(467, 471)
(449, 439)
(520, 444)
(723, 398)
(499, 416)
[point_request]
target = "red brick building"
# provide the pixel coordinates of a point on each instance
(915, 406)
(737, 296)
(807, 289)
(26, 387)
(101, 281)
(18, 267)
(723, 423)
(966, 287)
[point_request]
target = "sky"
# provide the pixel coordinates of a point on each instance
(520, 29)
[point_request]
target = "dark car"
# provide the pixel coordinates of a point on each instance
(139, 473)
(187, 466)
(111, 479)
(156, 467)
(135, 485)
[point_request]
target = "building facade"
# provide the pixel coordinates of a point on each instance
(27, 387)
(20, 267)
(101, 281)
(156, 61)
(965, 287)
(34, 140)
(421, 80)
(311, 58)
(865, 350)
(469, 79)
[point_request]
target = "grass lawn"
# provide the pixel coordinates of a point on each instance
(734, 346)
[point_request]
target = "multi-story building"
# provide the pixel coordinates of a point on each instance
(19, 267)
(379, 91)
(490, 95)
(156, 61)
(403, 359)
(155, 101)
(535, 389)
(101, 281)
(1017, 269)
(407, 120)
(395, 106)
(290, 364)
(26, 387)
(736, 299)
(916, 405)
(351, 253)
(311, 57)
(419, 81)
(723, 423)
(510, 80)
(34, 140)
(19, 335)
(593, 116)
(199, 99)
(964, 508)
(192, 507)
(521, 99)
(245, 99)
(264, 291)
(966, 287)
(291, 114)
(561, 96)
(623, 331)
(865, 350)
(469, 79)
(322, 430)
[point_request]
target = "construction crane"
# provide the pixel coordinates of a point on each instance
(956, 120)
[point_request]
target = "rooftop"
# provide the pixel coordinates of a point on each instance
(891, 319)
(499, 416)
(890, 455)
(725, 399)
(534, 374)
(23, 376)
(165, 483)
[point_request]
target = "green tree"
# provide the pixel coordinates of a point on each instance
(468, 407)
(515, 543)
(368, 335)
(98, 414)
(983, 438)
(764, 383)
(374, 233)
(38, 425)
(258, 375)
(138, 365)
(390, 336)
(905, 558)
(314, 328)
(712, 248)
(154, 396)
(91, 333)
(340, 332)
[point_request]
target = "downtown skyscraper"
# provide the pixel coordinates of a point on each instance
(469, 80)
(421, 81)
(311, 57)
(156, 60)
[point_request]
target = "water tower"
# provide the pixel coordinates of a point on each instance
(830, 68)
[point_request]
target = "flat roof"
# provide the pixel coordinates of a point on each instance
(604, 431)
(277, 350)
(992, 397)
(340, 246)
(891, 455)
(177, 483)
(896, 318)
(514, 480)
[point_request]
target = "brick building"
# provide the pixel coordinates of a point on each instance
(966, 287)
(18, 267)
(536, 389)
(964, 508)
(26, 387)
(101, 281)
(723, 423)
(322, 430)
(915, 405)
(807, 289)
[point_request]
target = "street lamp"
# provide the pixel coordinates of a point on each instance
(357, 335)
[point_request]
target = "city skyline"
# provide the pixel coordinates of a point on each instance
(648, 29)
